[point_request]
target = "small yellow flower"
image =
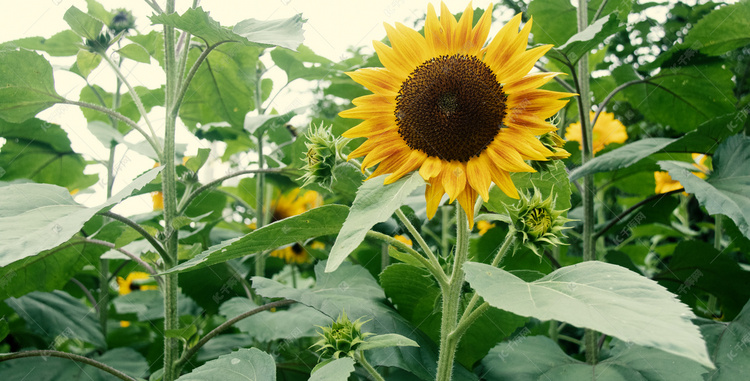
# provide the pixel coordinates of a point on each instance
(403, 239)
(157, 198)
(665, 183)
(133, 282)
(295, 253)
(606, 130)
(484, 226)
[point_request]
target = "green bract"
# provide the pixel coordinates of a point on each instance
(342, 338)
(323, 154)
(536, 221)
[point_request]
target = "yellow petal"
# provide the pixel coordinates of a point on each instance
(478, 175)
(434, 194)
(431, 167)
(463, 31)
(454, 179)
(449, 26)
(412, 162)
(434, 33)
(504, 38)
(467, 199)
(392, 61)
(377, 80)
(503, 181)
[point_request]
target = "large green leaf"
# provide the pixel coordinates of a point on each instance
(223, 87)
(38, 217)
(553, 181)
(583, 42)
(126, 360)
(351, 288)
(53, 314)
(416, 296)
(374, 203)
(727, 189)
(41, 152)
(242, 365)
(336, 370)
(317, 222)
(26, 85)
(600, 296)
(728, 343)
(286, 33)
(722, 30)
(289, 324)
(63, 44)
(149, 305)
(539, 358)
(303, 63)
(83, 24)
(696, 266)
(703, 140)
(681, 97)
(555, 20)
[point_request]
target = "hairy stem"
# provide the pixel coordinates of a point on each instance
(360, 357)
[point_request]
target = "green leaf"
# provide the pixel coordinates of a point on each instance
(552, 181)
(126, 360)
(57, 314)
(555, 20)
(336, 370)
(727, 189)
(242, 365)
(286, 33)
(87, 62)
(588, 295)
(728, 346)
(41, 152)
(317, 222)
(97, 10)
(703, 140)
(223, 88)
(387, 340)
(37, 217)
(696, 266)
(589, 39)
(374, 203)
(105, 133)
(539, 358)
(289, 324)
(26, 85)
(83, 24)
(63, 44)
(303, 63)
(149, 97)
(153, 42)
(196, 162)
(135, 52)
(4, 329)
(351, 288)
(149, 305)
(722, 30)
(681, 97)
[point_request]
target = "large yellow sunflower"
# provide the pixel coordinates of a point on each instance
(462, 113)
(606, 130)
(665, 183)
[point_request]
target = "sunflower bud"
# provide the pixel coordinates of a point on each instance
(100, 44)
(342, 338)
(536, 222)
(323, 154)
(553, 142)
(122, 21)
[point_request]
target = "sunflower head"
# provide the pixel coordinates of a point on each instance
(665, 183)
(291, 254)
(341, 339)
(135, 281)
(462, 111)
(607, 130)
(295, 202)
(536, 222)
(323, 154)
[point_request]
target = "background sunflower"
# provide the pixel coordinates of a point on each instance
(607, 130)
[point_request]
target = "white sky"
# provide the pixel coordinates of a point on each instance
(332, 26)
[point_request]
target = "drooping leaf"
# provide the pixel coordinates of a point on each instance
(539, 358)
(38, 217)
(589, 295)
(303, 63)
(87, 62)
(241, 365)
(374, 203)
(135, 52)
(336, 370)
(286, 33)
(722, 30)
(703, 140)
(290, 324)
(696, 266)
(386, 341)
(317, 222)
(196, 162)
(727, 189)
(83, 24)
(26, 85)
(728, 346)
(583, 42)
(53, 314)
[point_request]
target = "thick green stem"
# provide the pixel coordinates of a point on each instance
(584, 105)
(360, 357)
(452, 299)
(444, 248)
(260, 216)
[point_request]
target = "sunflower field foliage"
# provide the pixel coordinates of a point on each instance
(530, 190)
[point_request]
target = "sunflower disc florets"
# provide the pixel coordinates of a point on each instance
(536, 222)
(323, 154)
(341, 339)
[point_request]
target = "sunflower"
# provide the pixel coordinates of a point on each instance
(484, 227)
(133, 282)
(665, 183)
(403, 239)
(606, 130)
(464, 114)
(292, 204)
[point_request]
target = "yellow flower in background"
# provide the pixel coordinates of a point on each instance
(135, 281)
(464, 114)
(404, 239)
(294, 203)
(295, 253)
(606, 130)
(665, 183)
(157, 198)
(484, 226)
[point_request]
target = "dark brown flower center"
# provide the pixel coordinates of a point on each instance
(450, 107)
